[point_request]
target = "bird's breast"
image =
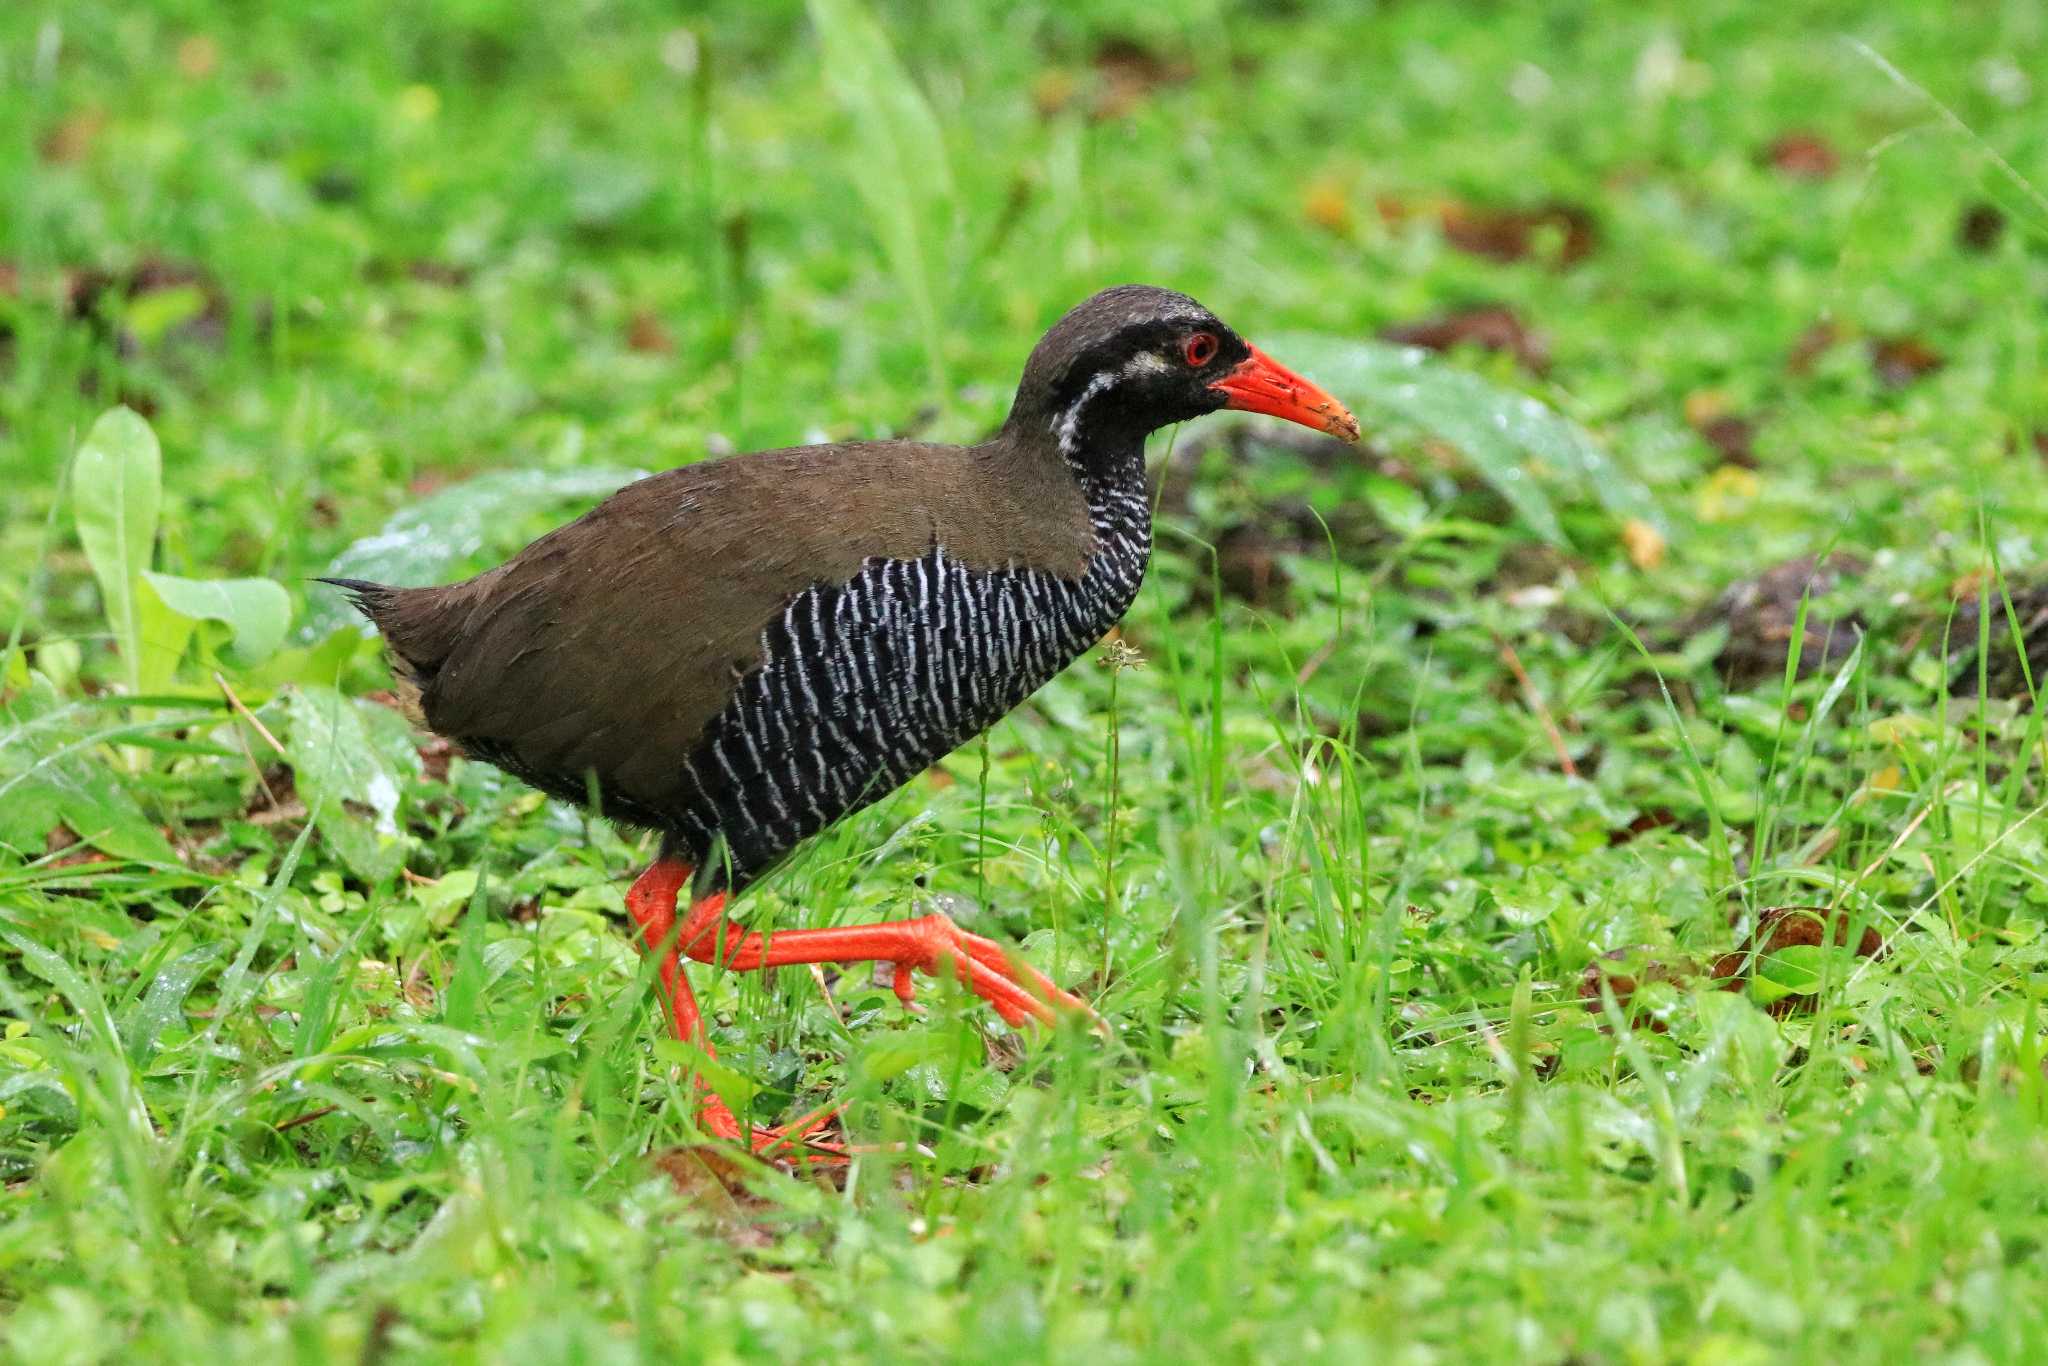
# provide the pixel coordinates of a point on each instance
(862, 685)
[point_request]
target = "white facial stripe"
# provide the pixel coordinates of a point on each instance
(1068, 428)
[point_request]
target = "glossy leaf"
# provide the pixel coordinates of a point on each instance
(429, 541)
(346, 782)
(1520, 445)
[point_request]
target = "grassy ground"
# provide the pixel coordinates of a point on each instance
(331, 1048)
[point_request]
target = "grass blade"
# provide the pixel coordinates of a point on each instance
(903, 178)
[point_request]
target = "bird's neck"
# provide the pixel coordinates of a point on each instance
(1106, 458)
(1113, 483)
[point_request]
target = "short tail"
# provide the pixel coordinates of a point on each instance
(369, 598)
(415, 622)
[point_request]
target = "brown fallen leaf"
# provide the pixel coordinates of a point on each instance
(198, 56)
(1627, 971)
(434, 756)
(440, 273)
(645, 333)
(1128, 72)
(1760, 612)
(1784, 927)
(1490, 327)
(1248, 563)
(1515, 234)
(101, 299)
(71, 137)
(715, 1178)
(2004, 675)
(1979, 229)
(1644, 543)
(1732, 438)
(1656, 818)
(1804, 156)
(1325, 204)
(1810, 346)
(1707, 412)
(1053, 90)
(1900, 360)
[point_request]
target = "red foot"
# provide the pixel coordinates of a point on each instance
(652, 903)
(791, 1142)
(932, 944)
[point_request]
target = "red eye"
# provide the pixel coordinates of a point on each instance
(1201, 349)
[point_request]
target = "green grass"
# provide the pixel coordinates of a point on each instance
(374, 1073)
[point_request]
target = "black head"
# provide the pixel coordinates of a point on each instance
(1135, 358)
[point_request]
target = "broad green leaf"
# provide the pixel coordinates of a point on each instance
(93, 801)
(428, 541)
(256, 610)
(348, 785)
(902, 176)
(162, 634)
(117, 494)
(1517, 443)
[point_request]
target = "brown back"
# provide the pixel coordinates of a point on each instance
(608, 645)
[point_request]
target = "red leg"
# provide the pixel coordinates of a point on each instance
(651, 901)
(932, 944)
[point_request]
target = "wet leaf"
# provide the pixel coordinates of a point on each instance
(429, 541)
(1516, 442)
(1490, 327)
(1901, 360)
(163, 1005)
(348, 785)
(1564, 234)
(1803, 156)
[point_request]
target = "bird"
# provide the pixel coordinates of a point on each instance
(738, 653)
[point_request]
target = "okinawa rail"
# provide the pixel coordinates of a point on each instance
(738, 653)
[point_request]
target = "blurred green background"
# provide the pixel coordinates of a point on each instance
(321, 1041)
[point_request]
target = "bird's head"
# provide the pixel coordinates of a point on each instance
(1135, 358)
